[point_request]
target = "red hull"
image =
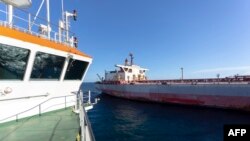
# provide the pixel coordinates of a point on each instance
(230, 102)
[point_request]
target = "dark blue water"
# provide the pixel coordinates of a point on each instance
(124, 120)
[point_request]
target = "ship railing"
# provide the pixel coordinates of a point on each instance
(86, 129)
(237, 79)
(189, 83)
(38, 107)
(226, 80)
(29, 23)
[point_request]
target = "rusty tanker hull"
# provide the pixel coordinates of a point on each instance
(222, 95)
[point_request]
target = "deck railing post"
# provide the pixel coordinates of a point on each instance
(84, 128)
(89, 97)
(78, 101)
(16, 118)
(39, 109)
(81, 114)
(65, 102)
(29, 24)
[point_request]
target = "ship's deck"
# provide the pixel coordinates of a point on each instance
(60, 125)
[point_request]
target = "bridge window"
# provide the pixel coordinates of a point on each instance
(47, 66)
(13, 62)
(130, 70)
(75, 69)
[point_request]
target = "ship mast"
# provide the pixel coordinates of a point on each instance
(48, 18)
(10, 15)
(131, 58)
(181, 73)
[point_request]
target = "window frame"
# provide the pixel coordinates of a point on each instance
(83, 73)
(47, 79)
(26, 66)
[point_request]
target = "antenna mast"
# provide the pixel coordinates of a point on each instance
(10, 15)
(131, 58)
(67, 16)
(48, 18)
(62, 12)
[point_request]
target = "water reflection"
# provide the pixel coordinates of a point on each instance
(47, 66)
(13, 61)
(131, 119)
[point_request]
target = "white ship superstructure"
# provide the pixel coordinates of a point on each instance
(41, 69)
(127, 72)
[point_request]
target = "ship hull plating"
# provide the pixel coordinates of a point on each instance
(230, 96)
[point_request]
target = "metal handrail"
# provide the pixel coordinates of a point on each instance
(89, 127)
(25, 27)
(84, 119)
(39, 105)
(26, 97)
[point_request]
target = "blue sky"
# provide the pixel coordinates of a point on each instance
(205, 37)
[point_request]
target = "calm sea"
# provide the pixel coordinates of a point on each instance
(124, 120)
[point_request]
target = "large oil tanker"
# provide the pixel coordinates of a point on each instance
(129, 81)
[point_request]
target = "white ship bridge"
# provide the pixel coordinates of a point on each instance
(127, 72)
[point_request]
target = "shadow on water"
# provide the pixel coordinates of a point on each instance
(120, 119)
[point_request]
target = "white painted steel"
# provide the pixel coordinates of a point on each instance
(18, 3)
(124, 73)
(10, 15)
(33, 88)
